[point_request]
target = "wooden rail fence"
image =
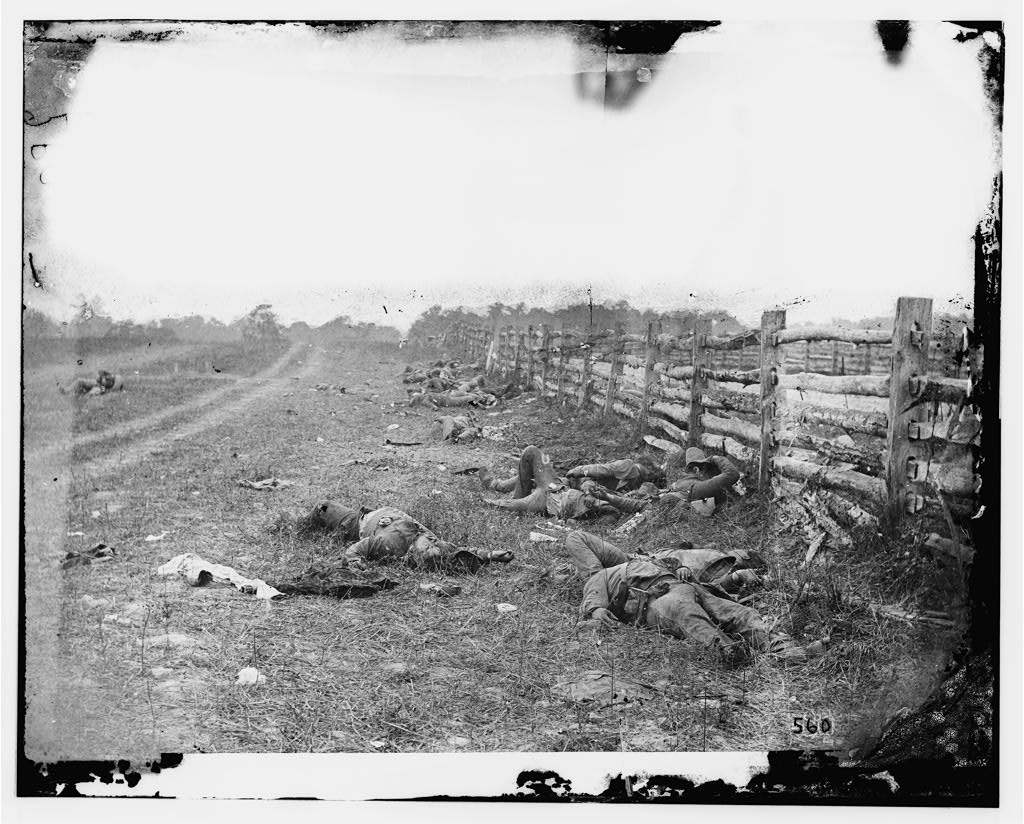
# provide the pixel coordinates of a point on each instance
(880, 430)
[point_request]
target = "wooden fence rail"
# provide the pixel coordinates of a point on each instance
(762, 397)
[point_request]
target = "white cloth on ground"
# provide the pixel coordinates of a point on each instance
(198, 572)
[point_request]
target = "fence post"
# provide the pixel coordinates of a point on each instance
(519, 355)
(529, 357)
(867, 358)
(911, 337)
(699, 381)
(545, 357)
(835, 357)
(560, 376)
(650, 358)
(771, 322)
(614, 370)
(584, 396)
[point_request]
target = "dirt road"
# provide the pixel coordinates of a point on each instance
(122, 662)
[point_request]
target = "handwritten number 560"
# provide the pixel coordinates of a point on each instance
(811, 726)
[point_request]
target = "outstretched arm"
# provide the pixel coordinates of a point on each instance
(628, 506)
(599, 472)
(533, 504)
(727, 475)
(368, 549)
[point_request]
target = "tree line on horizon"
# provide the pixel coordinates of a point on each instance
(258, 326)
(585, 316)
(262, 324)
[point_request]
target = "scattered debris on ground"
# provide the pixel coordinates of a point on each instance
(266, 483)
(250, 676)
(604, 688)
(95, 554)
(198, 573)
(442, 590)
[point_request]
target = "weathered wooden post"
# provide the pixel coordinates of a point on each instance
(771, 322)
(867, 358)
(510, 351)
(615, 369)
(835, 357)
(584, 395)
(545, 358)
(503, 358)
(530, 346)
(905, 470)
(518, 336)
(560, 376)
(807, 356)
(699, 381)
(650, 358)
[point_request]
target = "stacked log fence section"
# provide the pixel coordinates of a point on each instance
(867, 419)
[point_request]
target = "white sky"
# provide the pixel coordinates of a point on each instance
(766, 163)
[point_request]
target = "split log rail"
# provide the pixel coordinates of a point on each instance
(793, 402)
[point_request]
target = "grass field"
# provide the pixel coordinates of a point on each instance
(403, 670)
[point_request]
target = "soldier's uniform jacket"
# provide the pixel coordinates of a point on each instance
(390, 533)
(692, 487)
(612, 588)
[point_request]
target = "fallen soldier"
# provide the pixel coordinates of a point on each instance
(458, 428)
(452, 398)
(619, 476)
(104, 382)
(705, 482)
(109, 382)
(537, 490)
(681, 592)
(389, 534)
(79, 386)
(730, 571)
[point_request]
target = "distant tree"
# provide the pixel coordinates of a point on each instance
(35, 325)
(261, 326)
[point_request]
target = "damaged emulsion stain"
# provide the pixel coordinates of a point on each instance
(895, 35)
(631, 53)
(792, 777)
(61, 778)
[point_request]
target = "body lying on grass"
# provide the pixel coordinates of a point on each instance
(537, 490)
(705, 482)
(458, 428)
(102, 383)
(452, 398)
(684, 592)
(389, 534)
(622, 475)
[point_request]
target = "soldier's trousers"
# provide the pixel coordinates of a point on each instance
(534, 472)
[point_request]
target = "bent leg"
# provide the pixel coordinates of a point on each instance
(533, 504)
(735, 619)
(589, 554)
(535, 471)
(679, 613)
